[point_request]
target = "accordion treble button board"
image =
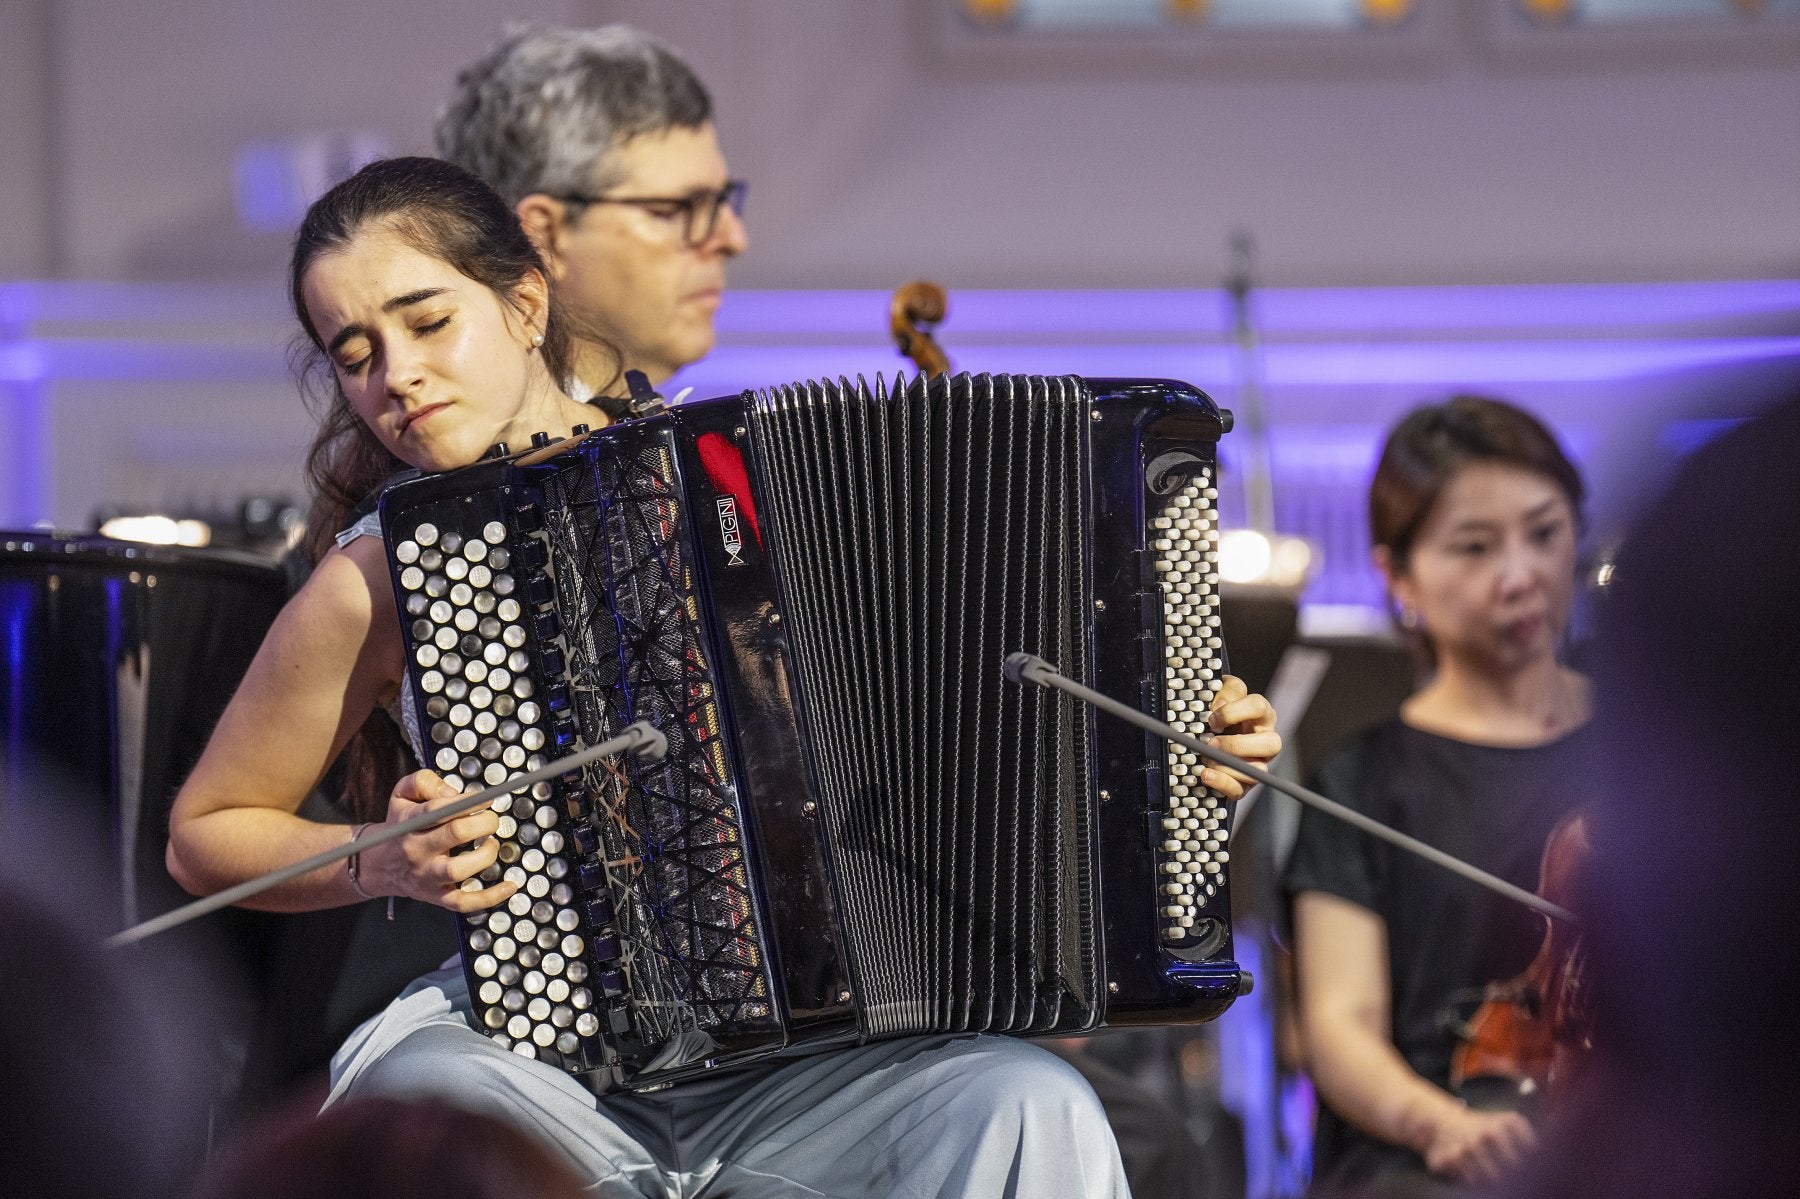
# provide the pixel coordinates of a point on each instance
(1191, 839)
(487, 681)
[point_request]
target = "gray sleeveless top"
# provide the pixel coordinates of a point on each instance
(403, 710)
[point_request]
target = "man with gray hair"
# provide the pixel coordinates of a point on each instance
(602, 140)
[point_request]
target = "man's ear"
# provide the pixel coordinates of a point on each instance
(542, 219)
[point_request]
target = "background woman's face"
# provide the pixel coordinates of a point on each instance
(1492, 570)
(437, 365)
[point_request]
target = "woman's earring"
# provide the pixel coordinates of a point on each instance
(1409, 619)
(537, 340)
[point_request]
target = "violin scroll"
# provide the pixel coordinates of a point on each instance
(913, 313)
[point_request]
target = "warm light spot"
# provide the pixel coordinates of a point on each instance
(1187, 10)
(157, 530)
(990, 12)
(1386, 12)
(1244, 556)
(1548, 11)
(1292, 561)
(1249, 557)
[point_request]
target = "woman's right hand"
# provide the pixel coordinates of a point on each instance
(1473, 1146)
(427, 865)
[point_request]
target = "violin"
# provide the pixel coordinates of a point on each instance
(1530, 1033)
(914, 311)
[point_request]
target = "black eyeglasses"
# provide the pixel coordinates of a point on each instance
(699, 212)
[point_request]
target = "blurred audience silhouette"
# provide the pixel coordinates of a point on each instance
(381, 1148)
(106, 1056)
(1691, 1089)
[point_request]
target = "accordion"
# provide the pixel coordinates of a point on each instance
(860, 830)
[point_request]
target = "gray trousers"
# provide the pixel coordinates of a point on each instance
(919, 1117)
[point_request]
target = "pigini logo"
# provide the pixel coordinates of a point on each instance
(731, 530)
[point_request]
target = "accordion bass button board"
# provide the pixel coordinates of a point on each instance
(860, 830)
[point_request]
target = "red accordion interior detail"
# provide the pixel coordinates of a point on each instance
(724, 465)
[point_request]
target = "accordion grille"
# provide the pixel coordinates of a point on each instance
(670, 833)
(922, 533)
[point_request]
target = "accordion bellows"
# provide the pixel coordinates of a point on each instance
(860, 829)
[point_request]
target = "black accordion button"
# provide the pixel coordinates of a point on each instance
(547, 625)
(532, 554)
(612, 983)
(593, 877)
(528, 518)
(539, 591)
(606, 948)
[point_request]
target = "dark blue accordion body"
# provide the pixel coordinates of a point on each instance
(860, 830)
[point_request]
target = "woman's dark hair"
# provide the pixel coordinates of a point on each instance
(1431, 446)
(444, 212)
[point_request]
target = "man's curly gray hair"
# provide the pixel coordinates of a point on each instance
(543, 107)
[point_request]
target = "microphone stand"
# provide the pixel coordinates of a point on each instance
(1252, 417)
(1028, 668)
(640, 738)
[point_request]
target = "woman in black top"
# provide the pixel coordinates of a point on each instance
(1474, 515)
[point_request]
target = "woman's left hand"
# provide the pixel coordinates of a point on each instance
(1243, 724)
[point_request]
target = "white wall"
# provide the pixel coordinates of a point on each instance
(874, 157)
(27, 168)
(873, 161)
(150, 101)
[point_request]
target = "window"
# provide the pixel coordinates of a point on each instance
(1317, 15)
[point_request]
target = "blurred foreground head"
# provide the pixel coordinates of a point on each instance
(1694, 895)
(106, 1093)
(381, 1148)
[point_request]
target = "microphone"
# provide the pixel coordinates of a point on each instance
(1022, 667)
